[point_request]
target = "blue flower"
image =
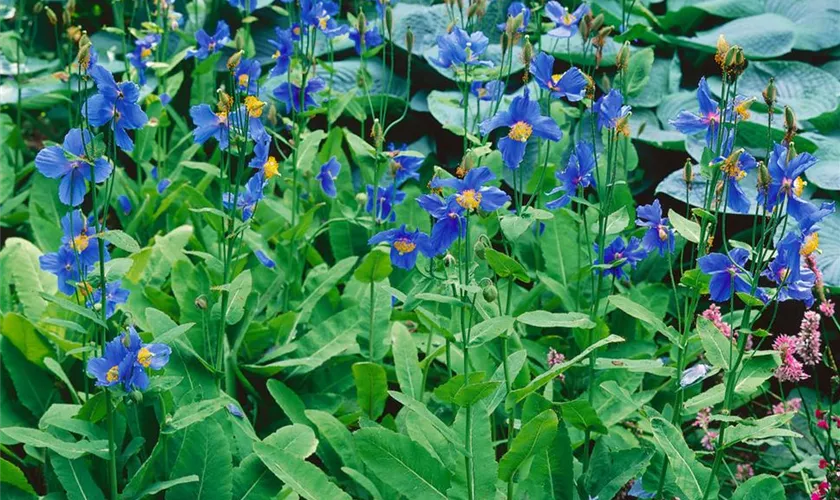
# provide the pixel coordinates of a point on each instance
(64, 266)
(117, 104)
(488, 91)
(386, 199)
(143, 49)
(247, 75)
(125, 204)
(450, 221)
(565, 22)
(234, 410)
(659, 235)
(289, 94)
(372, 38)
(618, 254)
(693, 374)
(795, 281)
(404, 245)
(265, 259)
(786, 184)
(80, 237)
(263, 161)
(162, 185)
(247, 199)
(209, 124)
(165, 99)
(524, 120)
(707, 120)
(727, 273)
(807, 214)
(404, 167)
(210, 44)
(284, 49)
(153, 356)
(735, 169)
(472, 194)
(240, 4)
(578, 174)
(70, 163)
(612, 113)
(515, 9)
(114, 294)
(114, 367)
(90, 61)
(459, 49)
(570, 84)
(328, 175)
(320, 14)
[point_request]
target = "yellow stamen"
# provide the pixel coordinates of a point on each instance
(145, 53)
(469, 199)
(243, 80)
(322, 22)
(223, 116)
(404, 246)
(568, 19)
(733, 170)
(812, 244)
(276, 54)
(254, 106)
(81, 242)
(799, 186)
(722, 49)
(113, 374)
(520, 131)
(270, 167)
(144, 357)
(743, 108)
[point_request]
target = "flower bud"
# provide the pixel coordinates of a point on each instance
(769, 94)
(478, 8)
(51, 16)
(791, 151)
(597, 22)
(735, 62)
(377, 134)
(233, 61)
(688, 175)
(361, 26)
(623, 57)
(449, 260)
(137, 396)
(361, 198)
(585, 26)
(490, 293)
(409, 40)
(70, 7)
(201, 302)
(764, 178)
(479, 248)
(389, 20)
(271, 116)
(527, 52)
(38, 7)
(790, 124)
(722, 49)
(84, 50)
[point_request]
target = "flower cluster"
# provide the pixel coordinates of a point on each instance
(703, 420)
(125, 361)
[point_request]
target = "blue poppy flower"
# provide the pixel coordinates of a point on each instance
(209, 124)
(450, 221)
(143, 49)
(459, 49)
(488, 91)
(403, 166)
(386, 199)
(707, 120)
(328, 175)
(70, 163)
(570, 84)
(372, 38)
(265, 259)
(727, 273)
(524, 120)
(659, 234)
(786, 184)
(115, 104)
(795, 281)
(472, 194)
(125, 204)
(284, 49)
(405, 245)
(289, 94)
(80, 237)
(210, 44)
(621, 254)
(253, 109)
(162, 185)
(64, 266)
(114, 294)
(240, 4)
(565, 22)
(263, 161)
(735, 169)
(515, 9)
(247, 76)
(612, 113)
(114, 367)
(578, 174)
(248, 198)
(808, 214)
(321, 15)
(153, 356)
(91, 60)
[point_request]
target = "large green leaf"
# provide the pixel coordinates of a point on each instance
(305, 479)
(205, 452)
(75, 478)
(763, 36)
(761, 487)
(719, 349)
(531, 440)
(20, 260)
(809, 90)
(691, 476)
(610, 469)
(408, 371)
(371, 388)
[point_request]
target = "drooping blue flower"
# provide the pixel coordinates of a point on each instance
(405, 245)
(247, 76)
(125, 204)
(91, 60)
(70, 163)
(384, 201)
(734, 170)
(209, 124)
(727, 273)
(708, 120)
(403, 166)
(618, 254)
(321, 15)
(786, 184)
(114, 294)
(372, 38)
(659, 234)
(240, 4)
(565, 22)
(143, 50)
(248, 198)
(114, 367)
(570, 84)
(162, 185)
(210, 44)
(289, 94)
(80, 237)
(265, 259)
(524, 120)
(612, 111)
(264, 161)
(328, 175)
(488, 91)
(450, 221)
(115, 104)
(284, 49)
(515, 9)
(807, 214)
(795, 281)
(234, 410)
(578, 174)
(459, 49)
(471, 192)
(64, 266)
(144, 356)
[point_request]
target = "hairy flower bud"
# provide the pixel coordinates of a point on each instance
(527, 56)
(449, 260)
(51, 16)
(377, 134)
(490, 293)
(688, 175)
(233, 61)
(585, 26)
(790, 124)
(623, 57)
(84, 50)
(597, 22)
(479, 248)
(769, 94)
(361, 198)
(764, 178)
(735, 62)
(409, 40)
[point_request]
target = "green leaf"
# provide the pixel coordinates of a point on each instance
(21, 267)
(194, 413)
(121, 240)
(645, 315)
(75, 308)
(505, 266)
(305, 479)
(616, 222)
(67, 449)
(690, 475)
(532, 439)
(205, 452)
(375, 267)
(155, 488)
(75, 478)
(402, 464)
(362, 480)
(763, 36)
(809, 90)
(11, 474)
(22, 334)
(760, 429)
(238, 293)
(719, 349)
(580, 414)
(336, 434)
(638, 71)
(761, 487)
(336, 274)
(288, 400)
(406, 365)
(308, 151)
(420, 409)
(371, 388)
(552, 474)
(610, 469)
(470, 394)
(686, 228)
(559, 245)
(545, 319)
(489, 329)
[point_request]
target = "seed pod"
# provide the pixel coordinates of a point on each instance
(623, 57)
(201, 302)
(409, 41)
(233, 61)
(769, 94)
(490, 293)
(51, 16)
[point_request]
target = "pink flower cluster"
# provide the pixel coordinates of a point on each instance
(796, 352)
(809, 338)
(826, 305)
(555, 358)
(743, 472)
(702, 420)
(791, 405)
(714, 314)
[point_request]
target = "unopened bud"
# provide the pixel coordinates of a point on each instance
(790, 124)
(527, 56)
(38, 7)
(623, 57)
(271, 116)
(490, 293)
(201, 302)
(51, 16)
(361, 26)
(409, 40)
(769, 94)
(597, 22)
(764, 178)
(688, 175)
(735, 62)
(377, 134)
(84, 50)
(479, 248)
(361, 198)
(137, 396)
(389, 20)
(233, 61)
(791, 151)
(585, 26)
(449, 260)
